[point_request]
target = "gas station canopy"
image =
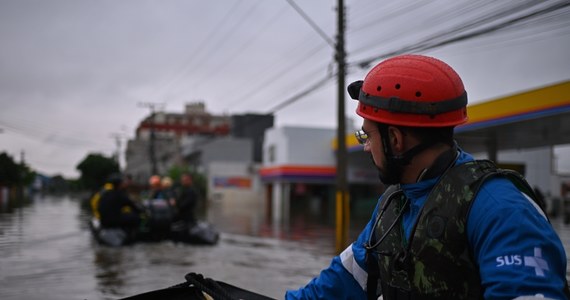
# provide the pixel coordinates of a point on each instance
(535, 118)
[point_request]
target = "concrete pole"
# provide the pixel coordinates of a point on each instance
(342, 196)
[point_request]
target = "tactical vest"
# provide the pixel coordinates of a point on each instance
(436, 263)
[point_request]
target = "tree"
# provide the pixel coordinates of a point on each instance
(95, 168)
(14, 174)
(9, 170)
(27, 175)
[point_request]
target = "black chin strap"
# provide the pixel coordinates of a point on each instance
(405, 158)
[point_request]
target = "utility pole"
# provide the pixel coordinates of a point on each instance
(342, 195)
(118, 137)
(151, 149)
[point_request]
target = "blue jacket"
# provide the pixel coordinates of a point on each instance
(516, 248)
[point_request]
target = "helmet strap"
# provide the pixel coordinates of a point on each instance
(407, 156)
(393, 167)
(396, 163)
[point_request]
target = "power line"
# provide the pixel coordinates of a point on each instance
(266, 84)
(315, 86)
(248, 97)
(387, 14)
(245, 43)
(311, 23)
(224, 39)
(37, 133)
(445, 39)
(422, 46)
(402, 31)
(193, 58)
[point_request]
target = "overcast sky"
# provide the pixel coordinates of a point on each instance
(73, 73)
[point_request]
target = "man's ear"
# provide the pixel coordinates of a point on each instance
(396, 137)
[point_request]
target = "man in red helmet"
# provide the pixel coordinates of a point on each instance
(447, 226)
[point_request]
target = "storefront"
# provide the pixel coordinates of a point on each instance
(299, 174)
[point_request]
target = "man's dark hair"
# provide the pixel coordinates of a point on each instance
(439, 134)
(430, 134)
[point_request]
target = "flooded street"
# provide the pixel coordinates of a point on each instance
(47, 252)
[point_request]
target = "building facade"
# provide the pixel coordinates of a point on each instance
(157, 144)
(299, 166)
(198, 140)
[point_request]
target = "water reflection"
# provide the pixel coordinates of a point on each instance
(11, 204)
(110, 270)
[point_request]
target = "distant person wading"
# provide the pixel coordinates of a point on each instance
(186, 200)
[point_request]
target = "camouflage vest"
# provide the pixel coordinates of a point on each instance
(436, 263)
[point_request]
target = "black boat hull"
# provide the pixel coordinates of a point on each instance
(200, 233)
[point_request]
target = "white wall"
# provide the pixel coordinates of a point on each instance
(538, 167)
(230, 197)
(299, 146)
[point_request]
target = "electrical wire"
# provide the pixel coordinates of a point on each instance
(518, 22)
(39, 133)
(248, 97)
(396, 13)
(427, 46)
(312, 24)
(189, 62)
(223, 65)
(312, 88)
(461, 33)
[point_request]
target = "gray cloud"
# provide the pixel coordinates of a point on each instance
(72, 72)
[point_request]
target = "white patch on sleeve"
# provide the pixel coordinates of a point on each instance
(535, 205)
(350, 264)
(535, 297)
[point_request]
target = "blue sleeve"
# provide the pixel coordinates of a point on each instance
(517, 250)
(346, 276)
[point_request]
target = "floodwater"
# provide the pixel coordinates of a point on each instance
(47, 252)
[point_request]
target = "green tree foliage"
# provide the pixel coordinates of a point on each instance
(14, 174)
(27, 175)
(94, 169)
(9, 170)
(175, 172)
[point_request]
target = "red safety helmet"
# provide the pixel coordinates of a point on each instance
(154, 181)
(411, 90)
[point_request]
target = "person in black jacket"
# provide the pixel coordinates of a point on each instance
(116, 208)
(186, 200)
